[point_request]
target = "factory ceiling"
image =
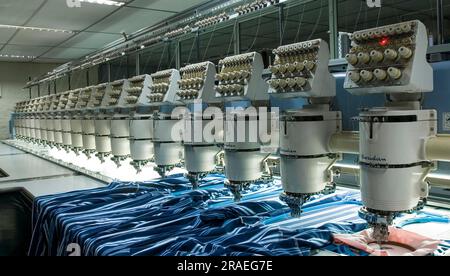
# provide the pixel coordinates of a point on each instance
(57, 31)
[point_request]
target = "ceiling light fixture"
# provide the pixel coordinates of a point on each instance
(35, 29)
(16, 56)
(104, 2)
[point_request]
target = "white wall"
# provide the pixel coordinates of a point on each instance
(13, 77)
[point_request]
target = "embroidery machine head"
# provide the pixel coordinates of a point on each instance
(392, 60)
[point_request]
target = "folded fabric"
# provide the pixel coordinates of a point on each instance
(400, 243)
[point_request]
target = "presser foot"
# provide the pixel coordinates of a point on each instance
(102, 156)
(118, 160)
(77, 151)
(379, 221)
(66, 148)
(237, 187)
(296, 201)
(163, 169)
(138, 165)
(195, 177)
(88, 153)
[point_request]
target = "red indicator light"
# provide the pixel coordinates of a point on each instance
(384, 41)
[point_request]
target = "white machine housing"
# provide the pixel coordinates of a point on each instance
(168, 147)
(240, 79)
(45, 121)
(40, 120)
(301, 70)
(244, 157)
(200, 156)
(56, 118)
(392, 157)
(52, 102)
(304, 149)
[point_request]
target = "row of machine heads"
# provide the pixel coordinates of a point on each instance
(132, 118)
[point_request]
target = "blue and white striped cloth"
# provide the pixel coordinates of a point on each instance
(56, 218)
(165, 217)
(48, 209)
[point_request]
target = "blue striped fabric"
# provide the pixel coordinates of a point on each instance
(165, 217)
(160, 222)
(46, 209)
(262, 234)
(57, 217)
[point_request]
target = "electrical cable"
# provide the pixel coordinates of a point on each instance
(257, 32)
(285, 23)
(358, 17)
(317, 21)
(300, 23)
(190, 52)
(232, 36)
(161, 58)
